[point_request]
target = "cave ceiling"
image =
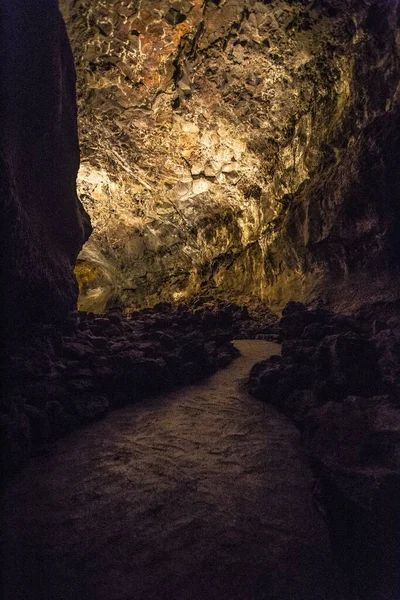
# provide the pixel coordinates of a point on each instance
(202, 126)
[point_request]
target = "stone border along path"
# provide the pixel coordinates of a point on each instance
(204, 493)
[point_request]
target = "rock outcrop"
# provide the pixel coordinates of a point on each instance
(339, 379)
(61, 376)
(239, 145)
(43, 224)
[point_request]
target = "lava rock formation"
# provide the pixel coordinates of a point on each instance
(240, 145)
(338, 378)
(43, 224)
(59, 377)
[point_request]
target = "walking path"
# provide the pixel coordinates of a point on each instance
(199, 495)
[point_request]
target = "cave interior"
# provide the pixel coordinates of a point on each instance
(200, 310)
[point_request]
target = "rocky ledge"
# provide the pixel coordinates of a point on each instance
(338, 378)
(61, 377)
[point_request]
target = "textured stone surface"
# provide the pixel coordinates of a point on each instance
(239, 144)
(203, 494)
(57, 378)
(42, 220)
(342, 390)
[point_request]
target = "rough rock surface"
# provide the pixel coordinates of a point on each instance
(55, 379)
(201, 494)
(240, 144)
(339, 379)
(251, 320)
(42, 222)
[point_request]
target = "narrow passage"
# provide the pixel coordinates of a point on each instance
(202, 494)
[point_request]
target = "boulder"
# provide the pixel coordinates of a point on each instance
(347, 365)
(264, 378)
(299, 404)
(59, 377)
(296, 317)
(364, 522)
(382, 444)
(90, 407)
(317, 331)
(299, 351)
(275, 379)
(336, 434)
(145, 376)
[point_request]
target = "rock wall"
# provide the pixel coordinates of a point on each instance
(338, 378)
(43, 224)
(240, 145)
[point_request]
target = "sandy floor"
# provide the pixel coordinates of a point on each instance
(202, 494)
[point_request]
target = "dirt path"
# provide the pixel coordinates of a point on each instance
(202, 494)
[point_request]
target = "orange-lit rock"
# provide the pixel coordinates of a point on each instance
(235, 133)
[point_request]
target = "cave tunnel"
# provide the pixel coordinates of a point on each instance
(200, 309)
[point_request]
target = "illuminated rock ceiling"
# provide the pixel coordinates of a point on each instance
(222, 142)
